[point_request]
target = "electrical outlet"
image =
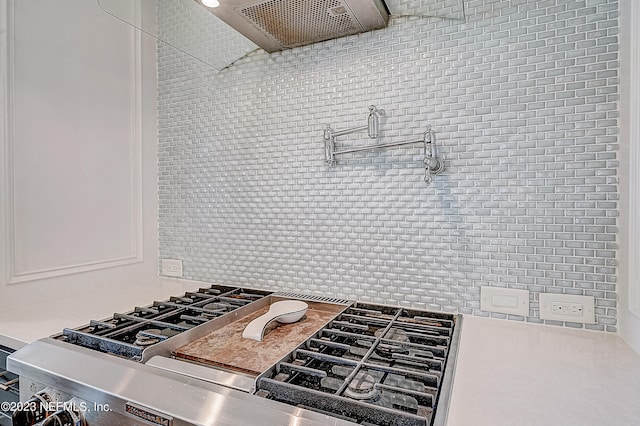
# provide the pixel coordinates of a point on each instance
(567, 307)
(573, 309)
(171, 268)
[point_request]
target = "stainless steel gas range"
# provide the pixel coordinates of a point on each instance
(183, 361)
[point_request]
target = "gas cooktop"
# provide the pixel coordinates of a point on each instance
(343, 363)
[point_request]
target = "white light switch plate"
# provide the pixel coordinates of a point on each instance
(567, 307)
(504, 300)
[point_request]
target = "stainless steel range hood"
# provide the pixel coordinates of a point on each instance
(276, 25)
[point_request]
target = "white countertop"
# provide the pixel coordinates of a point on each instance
(508, 373)
(516, 374)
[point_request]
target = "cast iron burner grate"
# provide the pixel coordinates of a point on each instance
(371, 365)
(128, 335)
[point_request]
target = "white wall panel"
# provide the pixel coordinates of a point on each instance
(75, 139)
(629, 266)
(78, 176)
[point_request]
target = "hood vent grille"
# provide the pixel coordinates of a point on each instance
(283, 24)
(298, 22)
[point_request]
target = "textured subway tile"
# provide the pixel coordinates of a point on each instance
(523, 98)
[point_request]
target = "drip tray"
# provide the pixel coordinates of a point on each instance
(229, 379)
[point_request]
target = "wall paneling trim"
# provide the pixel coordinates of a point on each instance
(72, 190)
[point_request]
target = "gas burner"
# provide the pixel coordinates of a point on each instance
(362, 387)
(394, 333)
(146, 342)
(217, 307)
(145, 338)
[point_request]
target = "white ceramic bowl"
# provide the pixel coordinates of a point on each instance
(285, 311)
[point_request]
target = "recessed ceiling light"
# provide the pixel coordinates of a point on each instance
(211, 3)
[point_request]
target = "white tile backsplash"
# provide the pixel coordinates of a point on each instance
(523, 98)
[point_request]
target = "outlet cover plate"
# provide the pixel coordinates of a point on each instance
(504, 300)
(171, 267)
(567, 307)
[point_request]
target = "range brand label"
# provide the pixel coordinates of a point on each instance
(148, 415)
